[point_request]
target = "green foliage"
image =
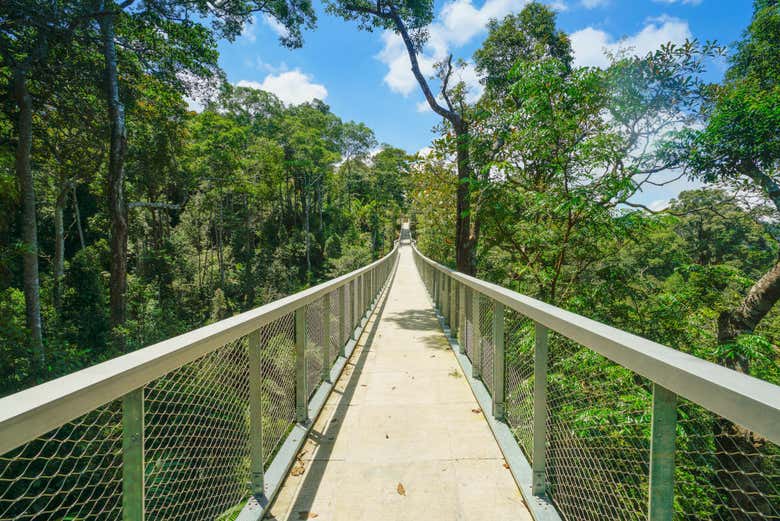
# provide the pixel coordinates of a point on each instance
(562, 153)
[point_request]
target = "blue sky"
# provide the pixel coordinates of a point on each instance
(365, 76)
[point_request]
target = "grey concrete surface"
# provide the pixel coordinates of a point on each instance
(401, 437)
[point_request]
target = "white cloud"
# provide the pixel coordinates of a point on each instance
(590, 44)
(276, 26)
(592, 4)
(658, 205)
(193, 104)
(422, 106)
(292, 87)
(249, 31)
(458, 22)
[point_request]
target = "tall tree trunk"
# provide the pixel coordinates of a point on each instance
(117, 208)
(741, 452)
(77, 216)
(59, 246)
(29, 222)
(466, 236)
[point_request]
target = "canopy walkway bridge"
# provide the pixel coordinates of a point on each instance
(403, 390)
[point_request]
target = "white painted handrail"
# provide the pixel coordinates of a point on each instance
(31, 413)
(742, 399)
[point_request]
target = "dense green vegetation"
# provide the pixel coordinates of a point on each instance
(125, 218)
(558, 154)
(109, 244)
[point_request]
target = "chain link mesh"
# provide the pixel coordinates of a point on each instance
(598, 435)
(722, 471)
(197, 437)
(334, 342)
(519, 350)
(277, 366)
(72, 472)
(469, 327)
(196, 430)
(314, 345)
(486, 346)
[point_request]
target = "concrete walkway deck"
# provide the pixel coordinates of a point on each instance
(401, 437)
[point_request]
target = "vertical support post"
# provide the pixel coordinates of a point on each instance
(462, 318)
(662, 444)
(538, 468)
(133, 456)
(301, 393)
(255, 415)
(476, 346)
(326, 318)
(342, 320)
(499, 361)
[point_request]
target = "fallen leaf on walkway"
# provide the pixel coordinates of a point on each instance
(387, 436)
(401, 490)
(506, 465)
(476, 411)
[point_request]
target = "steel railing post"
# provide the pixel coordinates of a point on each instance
(301, 393)
(462, 318)
(476, 338)
(133, 456)
(255, 415)
(326, 318)
(662, 446)
(499, 361)
(538, 467)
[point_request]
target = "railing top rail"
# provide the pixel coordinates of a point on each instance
(745, 400)
(30, 413)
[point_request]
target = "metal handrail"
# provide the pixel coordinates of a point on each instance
(560, 441)
(31, 413)
(743, 399)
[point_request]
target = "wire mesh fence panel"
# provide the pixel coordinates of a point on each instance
(519, 350)
(197, 437)
(486, 337)
(468, 342)
(722, 471)
(277, 348)
(72, 472)
(347, 322)
(598, 435)
(335, 335)
(315, 344)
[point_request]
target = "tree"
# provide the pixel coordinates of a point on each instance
(740, 146)
(28, 32)
(167, 41)
(408, 19)
(529, 35)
